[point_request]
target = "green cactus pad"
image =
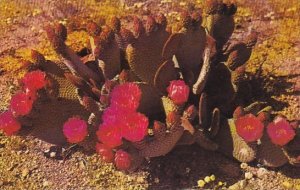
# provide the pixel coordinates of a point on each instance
(165, 73)
(54, 111)
(150, 103)
(292, 150)
(109, 57)
(155, 148)
(145, 55)
(232, 145)
(220, 27)
(269, 154)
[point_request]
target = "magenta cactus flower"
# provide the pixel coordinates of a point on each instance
(105, 152)
(75, 130)
(8, 123)
(110, 134)
(178, 91)
(111, 115)
(34, 80)
(280, 131)
(122, 160)
(126, 96)
(135, 126)
(21, 104)
(249, 127)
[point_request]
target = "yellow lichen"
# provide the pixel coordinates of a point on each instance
(77, 40)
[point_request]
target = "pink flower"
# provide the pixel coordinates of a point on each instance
(135, 126)
(8, 123)
(110, 134)
(249, 127)
(280, 131)
(111, 115)
(178, 91)
(122, 160)
(34, 80)
(126, 96)
(21, 104)
(31, 94)
(105, 152)
(75, 130)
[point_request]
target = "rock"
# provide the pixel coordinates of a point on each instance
(248, 175)
(242, 184)
(261, 173)
(82, 165)
(244, 165)
(46, 184)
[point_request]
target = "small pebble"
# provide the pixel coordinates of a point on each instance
(212, 177)
(207, 179)
(46, 184)
(187, 170)
(248, 175)
(243, 165)
(261, 172)
(25, 172)
(150, 132)
(201, 183)
(52, 154)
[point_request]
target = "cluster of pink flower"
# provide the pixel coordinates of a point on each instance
(121, 120)
(250, 128)
(22, 102)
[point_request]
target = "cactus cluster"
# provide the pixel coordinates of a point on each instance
(147, 90)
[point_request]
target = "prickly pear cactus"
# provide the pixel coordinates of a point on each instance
(144, 53)
(56, 104)
(219, 21)
(208, 76)
(188, 46)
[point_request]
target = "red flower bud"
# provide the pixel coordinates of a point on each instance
(178, 91)
(122, 160)
(8, 123)
(105, 152)
(34, 80)
(172, 118)
(21, 104)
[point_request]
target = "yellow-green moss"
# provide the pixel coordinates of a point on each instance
(77, 40)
